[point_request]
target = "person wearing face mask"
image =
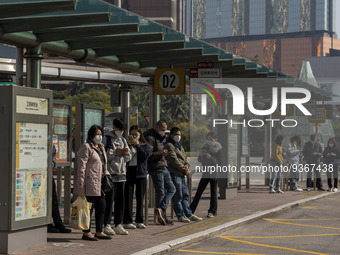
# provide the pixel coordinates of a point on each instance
(157, 168)
(136, 175)
(293, 156)
(92, 164)
(118, 153)
(209, 155)
(312, 152)
(331, 156)
(179, 168)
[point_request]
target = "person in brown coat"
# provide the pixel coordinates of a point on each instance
(92, 164)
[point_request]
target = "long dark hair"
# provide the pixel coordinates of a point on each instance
(297, 139)
(92, 132)
(279, 140)
(331, 140)
(141, 138)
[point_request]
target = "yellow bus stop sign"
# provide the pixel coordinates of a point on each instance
(169, 81)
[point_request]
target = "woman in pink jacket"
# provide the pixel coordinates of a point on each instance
(92, 164)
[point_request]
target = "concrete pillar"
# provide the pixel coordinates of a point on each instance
(19, 66)
(118, 3)
(174, 14)
(33, 67)
(125, 104)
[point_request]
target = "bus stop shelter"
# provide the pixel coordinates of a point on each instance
(100, 34)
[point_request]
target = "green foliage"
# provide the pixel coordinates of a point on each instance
(93, 96)
(175, 107)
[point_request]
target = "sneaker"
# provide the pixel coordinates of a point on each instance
(108, 230)
(210, 215)
(279, 191)
(129, 226)
(120, 230)
(168, 222)
(271, 191)
(299, 189)
(183, 219)
(329, 190)
(335, 190)
(195, 218)
(141, 226)
(160, 217)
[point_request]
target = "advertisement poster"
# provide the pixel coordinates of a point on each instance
(60, 132)
(31, 171)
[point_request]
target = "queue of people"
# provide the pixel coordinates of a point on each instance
(317, 160)
(126, 162)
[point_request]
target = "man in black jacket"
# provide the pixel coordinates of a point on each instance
(157, 168)
(312, 152)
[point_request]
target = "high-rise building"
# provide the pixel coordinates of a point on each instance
(279, 34)
(257, 17)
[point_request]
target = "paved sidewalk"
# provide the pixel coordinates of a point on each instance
(242, 207)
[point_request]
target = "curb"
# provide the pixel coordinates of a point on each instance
(212, 232)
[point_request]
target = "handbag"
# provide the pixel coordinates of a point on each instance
(107, 183)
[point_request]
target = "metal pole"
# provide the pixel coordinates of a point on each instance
(19, 66)
(67, 194)
(33, 70)
(125, 104)
(137, 116)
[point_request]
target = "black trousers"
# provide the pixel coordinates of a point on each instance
(213, 195)
(116, 195)
(309, 182)
(131, 180)
(335, 173)
(58, 223)
(98, 203)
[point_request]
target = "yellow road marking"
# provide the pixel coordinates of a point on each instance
(274, 237)
(309, 207)
(301, 219)
(272, 246)
(329, 198)
(216, 252)
(303, 225)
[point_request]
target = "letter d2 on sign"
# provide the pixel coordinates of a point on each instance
(169, 81)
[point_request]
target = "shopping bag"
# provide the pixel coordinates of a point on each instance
(81, 214)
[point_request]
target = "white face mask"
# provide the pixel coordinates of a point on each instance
(138, 137)
(177, 138)
(331, 145)
(97, 139)
(161, 133)
(119, 133)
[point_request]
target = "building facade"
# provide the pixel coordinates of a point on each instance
(223, 18)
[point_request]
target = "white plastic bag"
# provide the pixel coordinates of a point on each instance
(81, 214)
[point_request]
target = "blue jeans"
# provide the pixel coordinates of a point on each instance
(276, 176)
(164, 188)
(181, 197)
